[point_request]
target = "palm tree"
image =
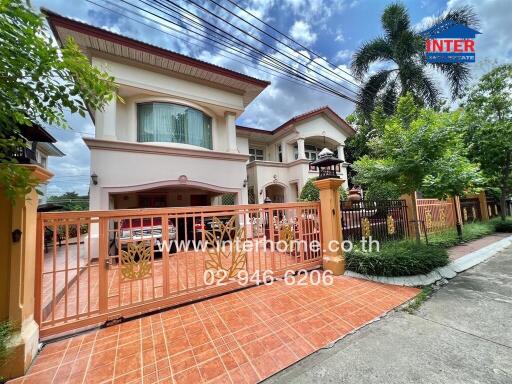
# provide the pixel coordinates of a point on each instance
(402, 50)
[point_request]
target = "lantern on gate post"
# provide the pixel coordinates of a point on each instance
(326, 163)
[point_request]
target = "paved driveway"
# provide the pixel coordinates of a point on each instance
(463, 334)
(241, 337)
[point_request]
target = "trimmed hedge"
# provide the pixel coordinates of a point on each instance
(503, 226)
(407, 258)
(400, 258)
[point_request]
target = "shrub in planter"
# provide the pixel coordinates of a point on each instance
(400, 258)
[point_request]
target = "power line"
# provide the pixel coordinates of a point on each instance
(289, 38)
(213, 29)
(338, 93)
(223, 53)
(263, 42)
(286, 45)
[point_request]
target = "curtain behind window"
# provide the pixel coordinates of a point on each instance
(173, 123)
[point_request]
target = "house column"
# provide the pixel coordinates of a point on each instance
(284, 151)
(341, 152)
(109, 116)
(301, 148)
(231, 130)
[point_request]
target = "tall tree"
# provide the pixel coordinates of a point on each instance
(402, 50)
(38, 83)
(420, 149)
(71, 201)
(487, 123)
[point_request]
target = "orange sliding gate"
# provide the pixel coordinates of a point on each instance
(99, 266)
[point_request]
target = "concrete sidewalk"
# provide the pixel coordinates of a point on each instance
(462, 334)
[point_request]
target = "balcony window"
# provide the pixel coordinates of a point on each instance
(173, 123)
(311, 152)
(256, 154)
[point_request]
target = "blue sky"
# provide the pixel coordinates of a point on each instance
(333, 29)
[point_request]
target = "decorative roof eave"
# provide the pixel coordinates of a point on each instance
(58, 21)
(297, 119)
(50, 149)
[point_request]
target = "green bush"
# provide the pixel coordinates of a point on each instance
(503, 226)
(470, 232)
(311, 193)
(401, 258)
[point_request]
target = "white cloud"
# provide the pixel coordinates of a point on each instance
(339, 37)
(344, 55)
(301, 31)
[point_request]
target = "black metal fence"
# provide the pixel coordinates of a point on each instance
(383, 220)
(470, 208)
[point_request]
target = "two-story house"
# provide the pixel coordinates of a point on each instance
(172, 140)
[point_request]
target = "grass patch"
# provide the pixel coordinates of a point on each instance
(400, 258)
(470, 232)
(419, 299)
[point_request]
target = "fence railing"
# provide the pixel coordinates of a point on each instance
(382, 220)
(493, 208)
(470, 209)
(435, 215)
(93, 266)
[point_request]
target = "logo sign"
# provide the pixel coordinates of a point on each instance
(450, 42)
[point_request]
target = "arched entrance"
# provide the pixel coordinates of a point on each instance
(275, 192)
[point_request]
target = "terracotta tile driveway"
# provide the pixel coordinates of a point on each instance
(241, 337)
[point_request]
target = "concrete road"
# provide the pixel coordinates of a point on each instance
(462, 334)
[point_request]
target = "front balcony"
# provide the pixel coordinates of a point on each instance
(24, 155)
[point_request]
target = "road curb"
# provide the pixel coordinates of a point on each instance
(447, 272)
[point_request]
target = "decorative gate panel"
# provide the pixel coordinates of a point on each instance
(104, 265)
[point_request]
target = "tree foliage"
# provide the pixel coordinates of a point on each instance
(310, 192)
(38, 83)
(487, 124)
(420, 149)
(402, 48)
(71, 201)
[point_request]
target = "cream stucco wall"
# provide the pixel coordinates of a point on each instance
(130, 169)
(291, 171)
(126, 170)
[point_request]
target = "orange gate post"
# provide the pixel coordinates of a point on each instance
(18, 233)
(330, 213)
(412, 215)
(484, 210)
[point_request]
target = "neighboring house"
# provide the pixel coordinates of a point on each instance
(173, 140)
(39, 146)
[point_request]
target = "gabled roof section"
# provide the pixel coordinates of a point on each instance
(35, 132)
(304, 116)
(91, 37)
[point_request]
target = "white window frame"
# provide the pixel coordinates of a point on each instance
(254, 155)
